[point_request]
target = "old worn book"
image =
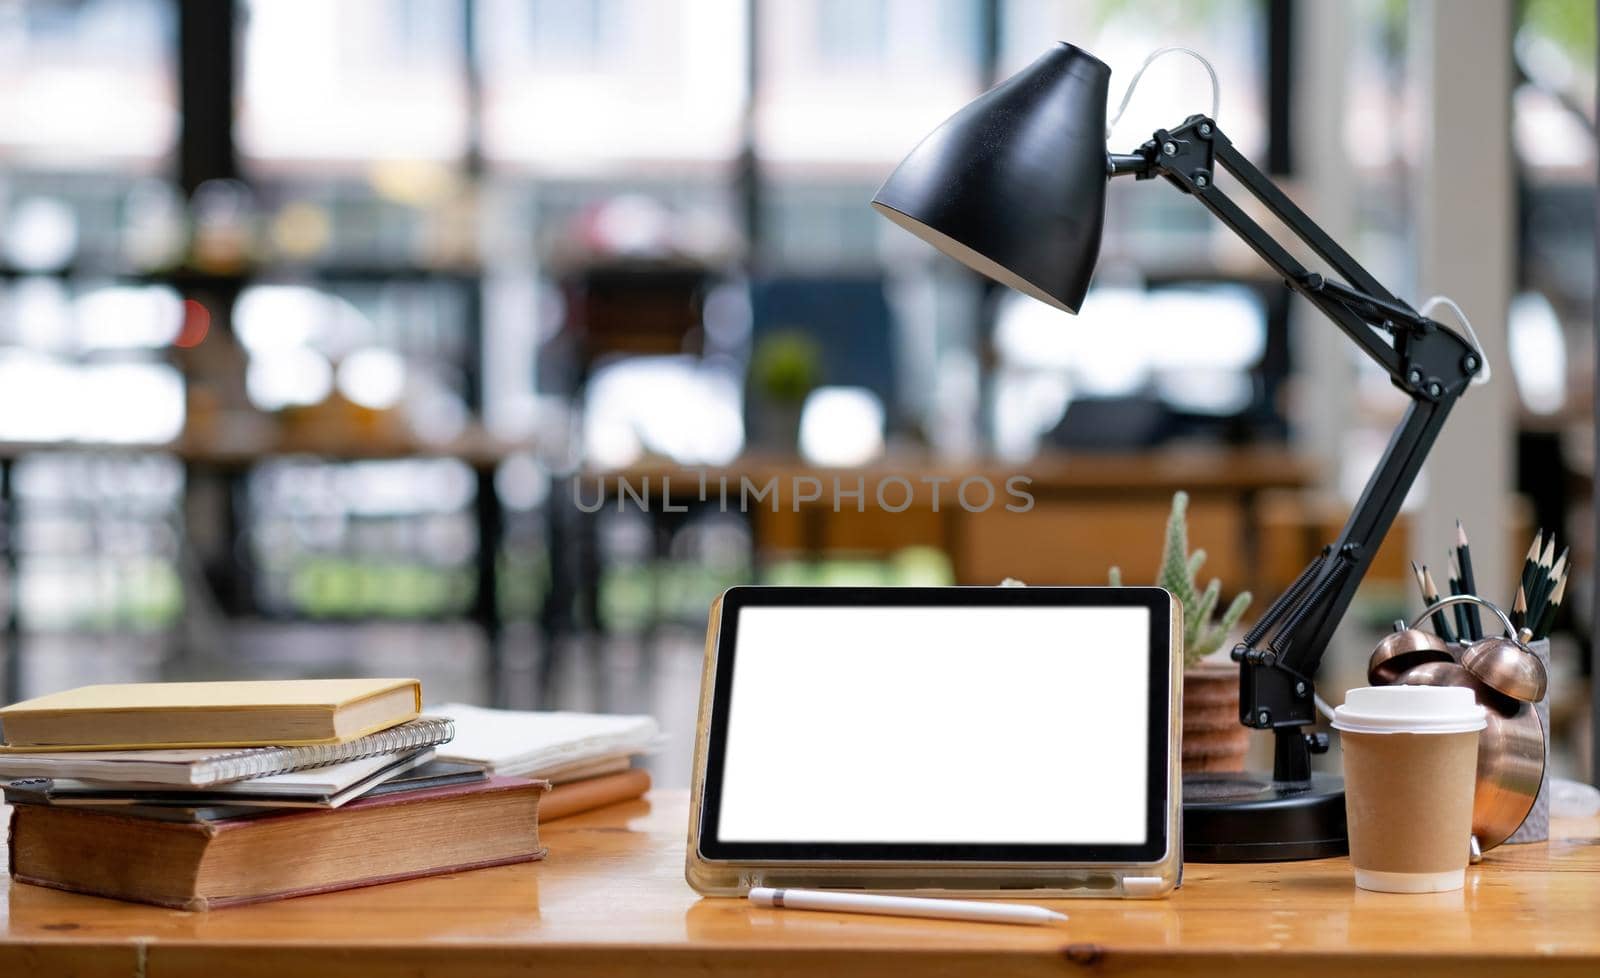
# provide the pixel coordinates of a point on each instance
(203, 865)
(268, 713)
(197, 767)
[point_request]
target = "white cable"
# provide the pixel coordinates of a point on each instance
(1483, 358)
(1322, 706)
(1216, 88)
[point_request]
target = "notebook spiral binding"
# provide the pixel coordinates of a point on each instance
(417, 734)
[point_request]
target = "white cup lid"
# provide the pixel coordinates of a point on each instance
(1410, 709)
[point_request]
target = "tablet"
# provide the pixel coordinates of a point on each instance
(1001, 740)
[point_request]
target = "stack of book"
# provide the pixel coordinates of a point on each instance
(199, 795)
(589, 758)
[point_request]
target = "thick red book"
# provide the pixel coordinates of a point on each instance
(202, 865)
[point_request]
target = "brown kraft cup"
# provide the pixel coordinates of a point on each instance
(1410, 762)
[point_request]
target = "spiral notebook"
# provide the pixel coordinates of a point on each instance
(200, 768)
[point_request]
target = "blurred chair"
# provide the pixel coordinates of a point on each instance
(1111, 424)
(618, 307)
(613, 308)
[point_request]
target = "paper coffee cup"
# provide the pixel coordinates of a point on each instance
(1410, 770)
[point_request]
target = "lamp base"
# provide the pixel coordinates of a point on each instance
(1249, 818)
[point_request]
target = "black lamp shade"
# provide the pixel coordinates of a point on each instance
(1014, 185)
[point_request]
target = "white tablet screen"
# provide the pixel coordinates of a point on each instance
(1001, 725)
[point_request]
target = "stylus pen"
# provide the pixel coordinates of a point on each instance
(898, 906)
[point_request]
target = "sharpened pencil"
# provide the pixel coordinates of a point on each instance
(1519, 608)
(1534, 593)
(1547, 559)
(1441, 624)
(1544, 582)
(1463, 628)
(1540, 600)
(1547, 620)
(1558, 570)
(1531, 561)
(1469, 583)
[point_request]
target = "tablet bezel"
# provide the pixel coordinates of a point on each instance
(1158, 801)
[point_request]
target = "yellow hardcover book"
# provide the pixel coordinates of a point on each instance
(267, 713)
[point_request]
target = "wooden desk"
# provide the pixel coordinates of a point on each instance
(611, 900)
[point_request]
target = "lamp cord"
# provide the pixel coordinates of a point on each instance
(1216, 88)
(1322, 706)
(1444, 300)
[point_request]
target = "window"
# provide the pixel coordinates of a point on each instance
(919, 61)
(85, 83)
(352, 82)
(667, 76)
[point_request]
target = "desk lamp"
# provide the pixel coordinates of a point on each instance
(1014, 186)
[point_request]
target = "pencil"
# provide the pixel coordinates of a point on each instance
(1460, 612)
(1543, 581)
(1547, 620)
(1441, 624)
(1422, 585)
(1558, 570)
(1469, 584)
(1531, 560)
(1519, 609)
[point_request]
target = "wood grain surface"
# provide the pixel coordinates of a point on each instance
(610, 900)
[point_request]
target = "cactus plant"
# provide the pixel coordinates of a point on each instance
(1201, 636)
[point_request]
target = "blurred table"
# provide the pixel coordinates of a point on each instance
(610, 900)
(225, 462)
(1089, 511)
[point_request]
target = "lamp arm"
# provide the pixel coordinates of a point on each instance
(1430, 363)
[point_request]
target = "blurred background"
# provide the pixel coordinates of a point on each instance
(324, 325)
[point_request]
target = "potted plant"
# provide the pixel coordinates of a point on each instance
(784, 369)
(1213, 738)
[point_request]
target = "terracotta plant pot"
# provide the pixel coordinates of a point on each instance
(1213, 738)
